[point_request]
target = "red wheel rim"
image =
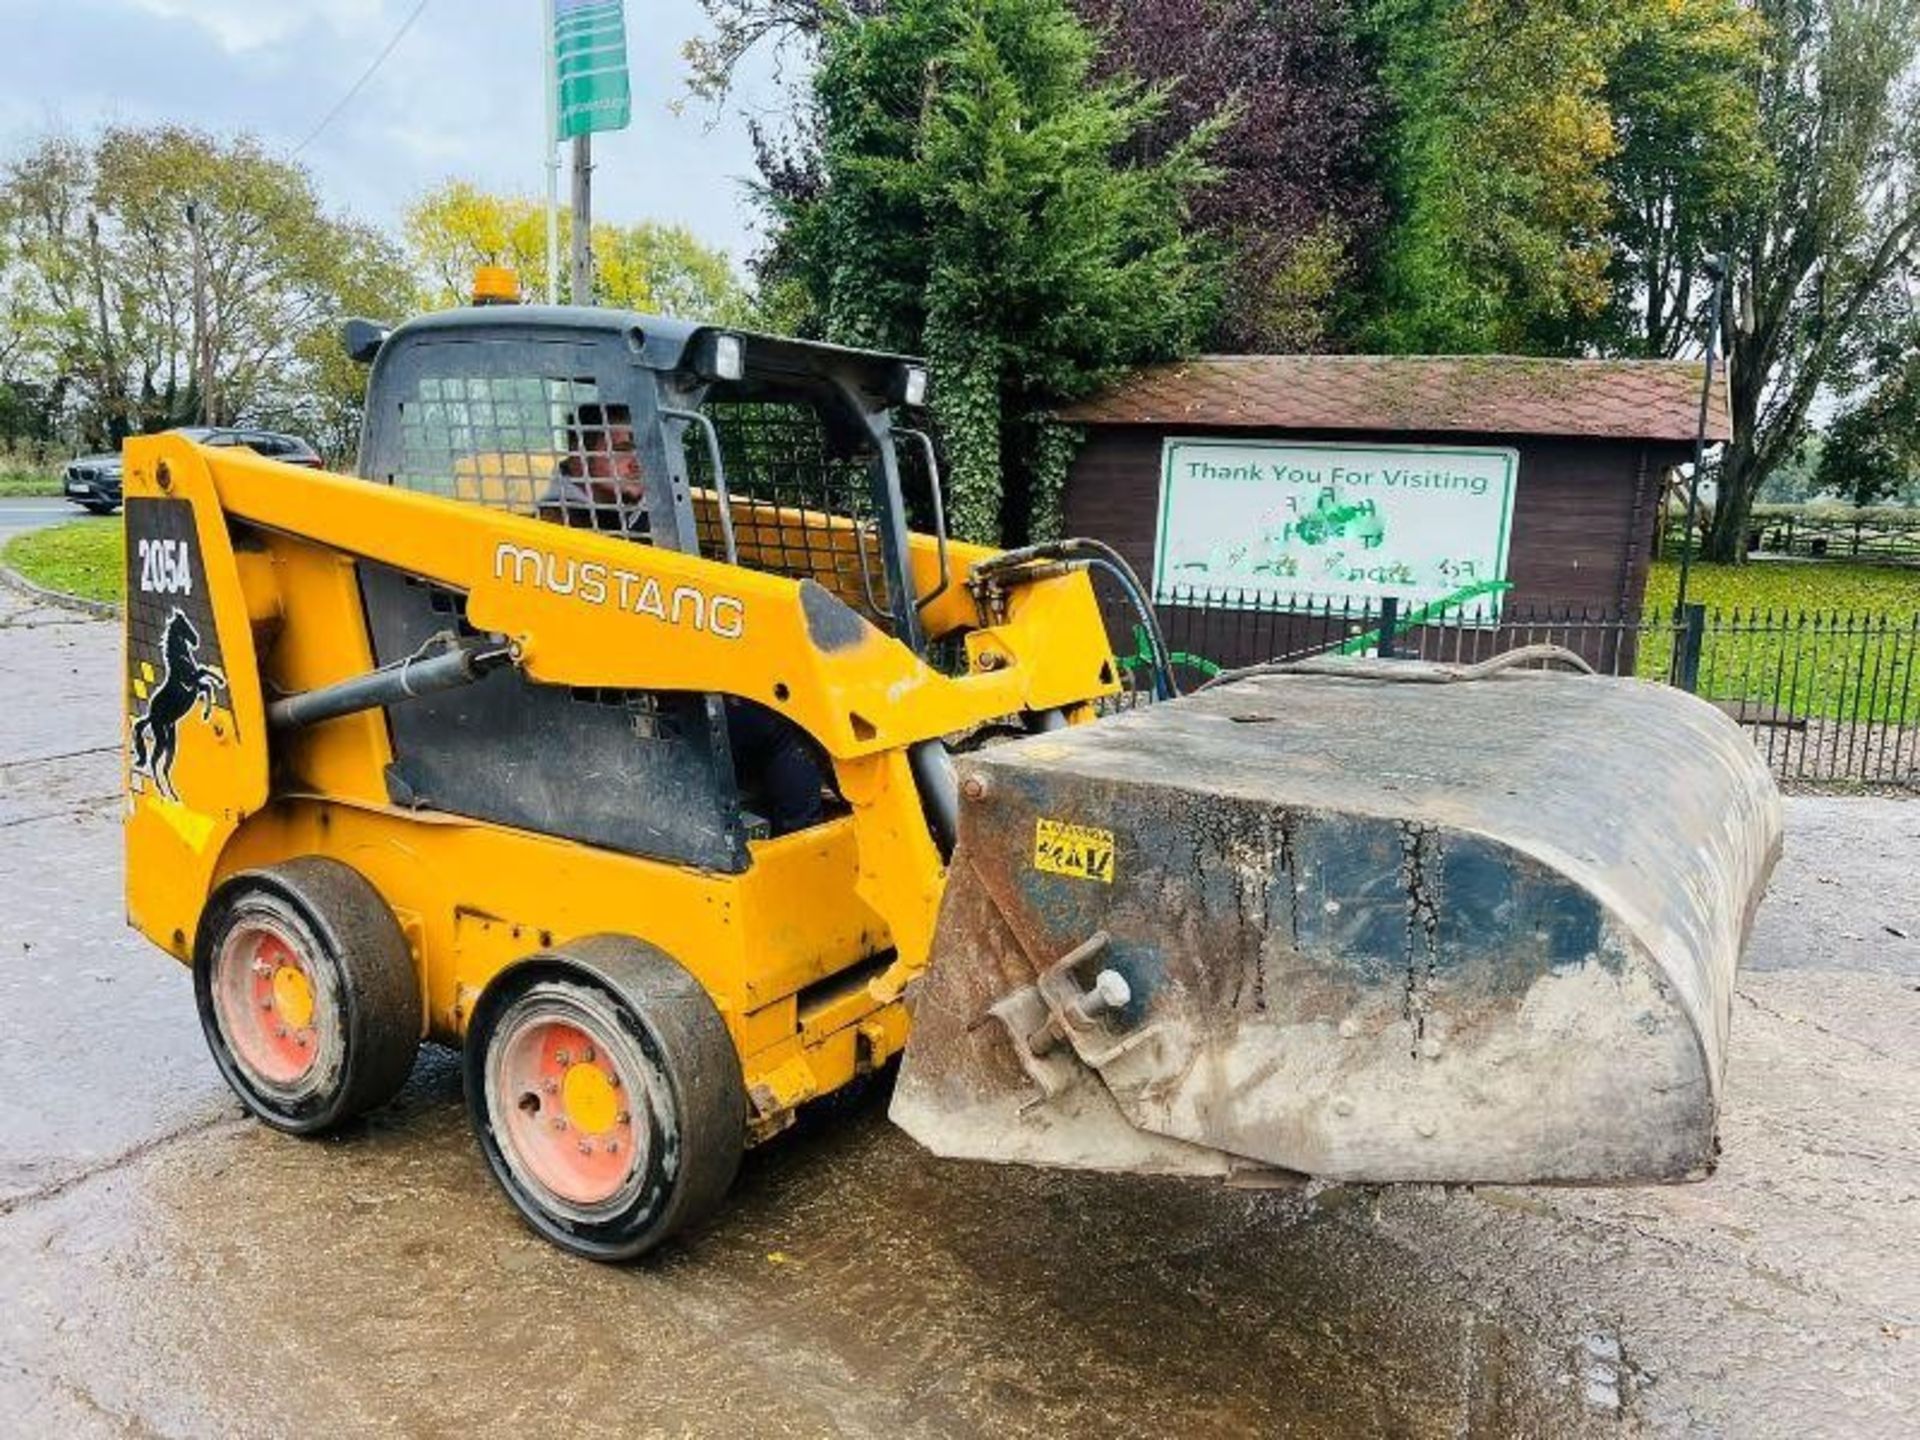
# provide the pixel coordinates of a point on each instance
(272, 1005)
(566, 1092)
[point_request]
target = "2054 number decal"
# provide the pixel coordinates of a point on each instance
(166, 567)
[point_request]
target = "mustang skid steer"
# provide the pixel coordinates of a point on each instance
(617, 725)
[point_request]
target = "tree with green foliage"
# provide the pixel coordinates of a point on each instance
(110, 241)
(1493, 161)
(976, 201)
(1556, 170)
(1871, 451)
(1686, 161)
(1822, 253)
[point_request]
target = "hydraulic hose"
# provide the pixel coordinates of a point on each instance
(1101, 556)
(1409, 671)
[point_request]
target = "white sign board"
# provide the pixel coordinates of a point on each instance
(1253, 522)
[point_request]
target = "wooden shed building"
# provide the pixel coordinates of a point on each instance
(1240, 480)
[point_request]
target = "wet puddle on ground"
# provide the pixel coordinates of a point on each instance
(240, 1280)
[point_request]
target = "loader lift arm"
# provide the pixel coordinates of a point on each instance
(584, 609)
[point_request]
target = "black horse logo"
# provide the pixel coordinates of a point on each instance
(156, 734)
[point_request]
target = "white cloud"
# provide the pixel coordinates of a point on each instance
(459, 97)
(242, 25)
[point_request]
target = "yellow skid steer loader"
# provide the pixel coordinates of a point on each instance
(630, 722)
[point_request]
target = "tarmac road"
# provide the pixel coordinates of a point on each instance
(33, 512)
(169, 1268)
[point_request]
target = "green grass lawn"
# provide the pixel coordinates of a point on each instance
(1791, 585)
(1823, 640)
(84, 557)
(17, 483)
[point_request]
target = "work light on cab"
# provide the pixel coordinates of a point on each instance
(729, 357)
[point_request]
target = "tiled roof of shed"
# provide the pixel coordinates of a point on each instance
(1483, 394)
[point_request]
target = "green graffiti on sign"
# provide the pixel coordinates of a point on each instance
(1143, 656)
(1412, 618)
(1335, 519)
(1250, 523)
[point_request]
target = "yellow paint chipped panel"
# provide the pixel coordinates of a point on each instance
(190, 825)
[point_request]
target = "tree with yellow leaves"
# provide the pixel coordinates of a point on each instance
(654, 268)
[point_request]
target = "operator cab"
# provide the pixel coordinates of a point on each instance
(775, 454)
(502, 405)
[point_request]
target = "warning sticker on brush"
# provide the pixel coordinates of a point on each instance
(1078, 851)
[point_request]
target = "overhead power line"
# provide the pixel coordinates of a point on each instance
(365, 76)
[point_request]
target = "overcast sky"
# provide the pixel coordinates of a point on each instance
(461, 96)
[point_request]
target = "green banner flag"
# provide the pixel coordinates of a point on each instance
(590, 66)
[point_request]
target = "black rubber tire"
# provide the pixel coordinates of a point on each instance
(700, 1130)
(95, 507)
(343, 925)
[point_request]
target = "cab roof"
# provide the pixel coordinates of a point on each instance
(665, 343)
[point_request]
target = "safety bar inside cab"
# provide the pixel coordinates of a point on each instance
(705, 423)
(939, 513)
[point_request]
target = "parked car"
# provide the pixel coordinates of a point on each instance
(93, 481)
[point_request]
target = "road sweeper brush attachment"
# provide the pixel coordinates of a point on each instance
(1362, 928)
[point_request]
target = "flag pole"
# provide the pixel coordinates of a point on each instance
(580, 286)
(553, 161)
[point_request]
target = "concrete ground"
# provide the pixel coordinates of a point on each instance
(168, 1268)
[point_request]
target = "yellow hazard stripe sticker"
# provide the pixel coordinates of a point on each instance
(1078, 851)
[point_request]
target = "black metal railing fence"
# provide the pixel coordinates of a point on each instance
(1830, 698)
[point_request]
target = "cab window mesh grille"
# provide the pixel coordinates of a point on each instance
(540, 445)
(802, 500)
